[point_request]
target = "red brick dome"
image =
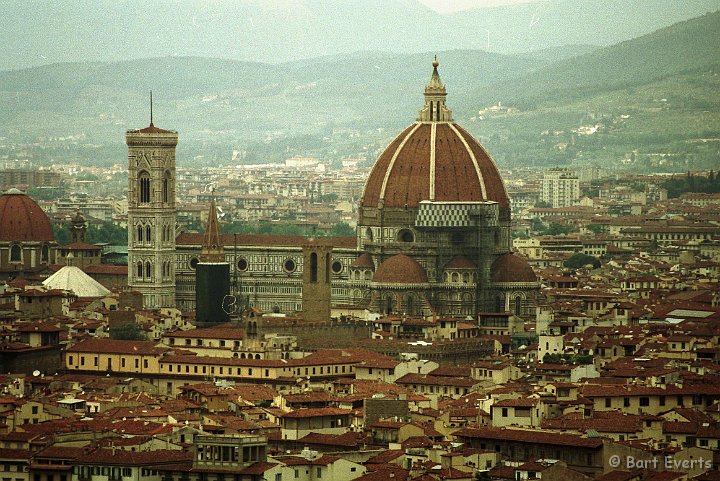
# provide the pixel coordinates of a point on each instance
(511, 268)
(400, 269)
(437, 161)
(363, 261)
(460, 262)
(21, 219)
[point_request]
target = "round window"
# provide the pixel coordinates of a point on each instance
(242, 265)
(406, 236)
(289, 265)
(337, 267)
(194, 262)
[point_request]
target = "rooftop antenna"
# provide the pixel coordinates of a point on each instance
(151, 113)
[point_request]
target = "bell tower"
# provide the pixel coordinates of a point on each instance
(151, 214)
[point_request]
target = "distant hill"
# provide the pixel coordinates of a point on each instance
(645, 99)
(681, 48)
(51, 31)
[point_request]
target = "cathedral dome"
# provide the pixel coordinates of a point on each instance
(433, 159)
(400, 269)
(22, 219)
(511, 268)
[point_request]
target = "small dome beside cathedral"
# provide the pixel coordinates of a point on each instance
(512, 268)
(400, 269)
(22, 219)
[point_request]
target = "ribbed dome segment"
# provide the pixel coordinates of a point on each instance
(21, 219)
(437, 161)
(511, 268)
(400, 269)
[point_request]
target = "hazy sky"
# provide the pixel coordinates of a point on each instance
(446, 6)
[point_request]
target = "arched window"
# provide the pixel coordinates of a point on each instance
(139, 233)
(410, 304)
(148, 231)
(45, 253)
(390, 305)
(499, 304)
(455, 277)
(144, 187)
(166, 187)
(369, 234)
(148, 270)
(313, 267)
(139, 270)
(327, 267)
(15, 253)
(518, 305)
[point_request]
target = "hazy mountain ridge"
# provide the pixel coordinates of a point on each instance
(684, 47)
(221, 105)
(268, 31)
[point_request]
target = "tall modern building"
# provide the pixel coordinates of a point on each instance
(560, 188)
(151, 214)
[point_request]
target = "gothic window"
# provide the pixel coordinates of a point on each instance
(390, 306)
(455, 277)
(166, 187)
(148, 237)
(148, 269)
(313, 267)
(45, 253)
(144, 187)
(15, 253)
(139, 233)
(139, 270)
(410, 304)
(369, 234)
(499, 304)
(327, 267)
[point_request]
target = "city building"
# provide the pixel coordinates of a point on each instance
(560, 188)
(433, 235)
